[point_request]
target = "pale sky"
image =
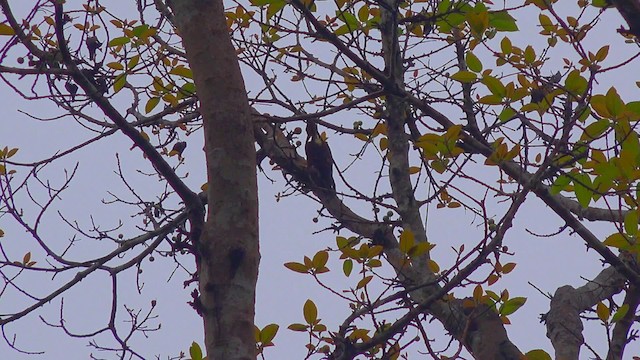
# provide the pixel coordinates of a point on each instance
(286, 235)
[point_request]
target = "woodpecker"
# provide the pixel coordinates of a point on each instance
(93, 44)
(178, 148)
(319, 159)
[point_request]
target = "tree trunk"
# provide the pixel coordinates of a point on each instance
(227, 252)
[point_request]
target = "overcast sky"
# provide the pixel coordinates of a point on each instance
(286, 235)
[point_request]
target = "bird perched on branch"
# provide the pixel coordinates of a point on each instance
(319, 159)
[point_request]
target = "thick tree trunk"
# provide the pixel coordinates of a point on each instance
(228, 253)
(630, 11)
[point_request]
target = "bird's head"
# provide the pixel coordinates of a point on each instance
(314, 135)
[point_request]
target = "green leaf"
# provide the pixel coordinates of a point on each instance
(439, 166)
(620, 313)
(298, 327)
(505, 45)
(115, 66)
(310, 312)
(464, 76)
(182, 71)
(342, 242)
(363, 13)
(274, 7)
(119, 82)
(478, 21)
(133, 62)
(494, 85)
(268, 333)
(601, 3)
(602, 53)
(529, 55)
(537, 354)
(443, 6)
(151, 104)
(446, 23)
(347, 267)
(348, 18)
(595, 130)
(188, 88)
(473, 63)
(264, 2)
(617, 240)
(631, 222)
(598, 103)
(545, 22)
(118, 41)
(140, 30)
(195, 351)
(11, 153)
(560, 184)
(506, 114)
(6, 30)
(582, 186)
(490, 100)
(503, 21)
(614, 103)
(512, 305)
(351, 23)
(634, 107)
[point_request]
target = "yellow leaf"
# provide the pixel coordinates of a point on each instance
(268, 333)
(297, 327)
(617, 240)
(119, 82)
(505, 45)
(297, 267)
(603, 312)
(406, 241)
(144, 135)
(537, 354)
(492, 279)
(602, 53)
(182, 71)
(6, 30)
(464, 76)
(384, 142)
(320, 259)
(508, 267)
(477, 293)
(115, 66)
(433, 266)
(310, 312)
(380, 128)
(362, 283)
